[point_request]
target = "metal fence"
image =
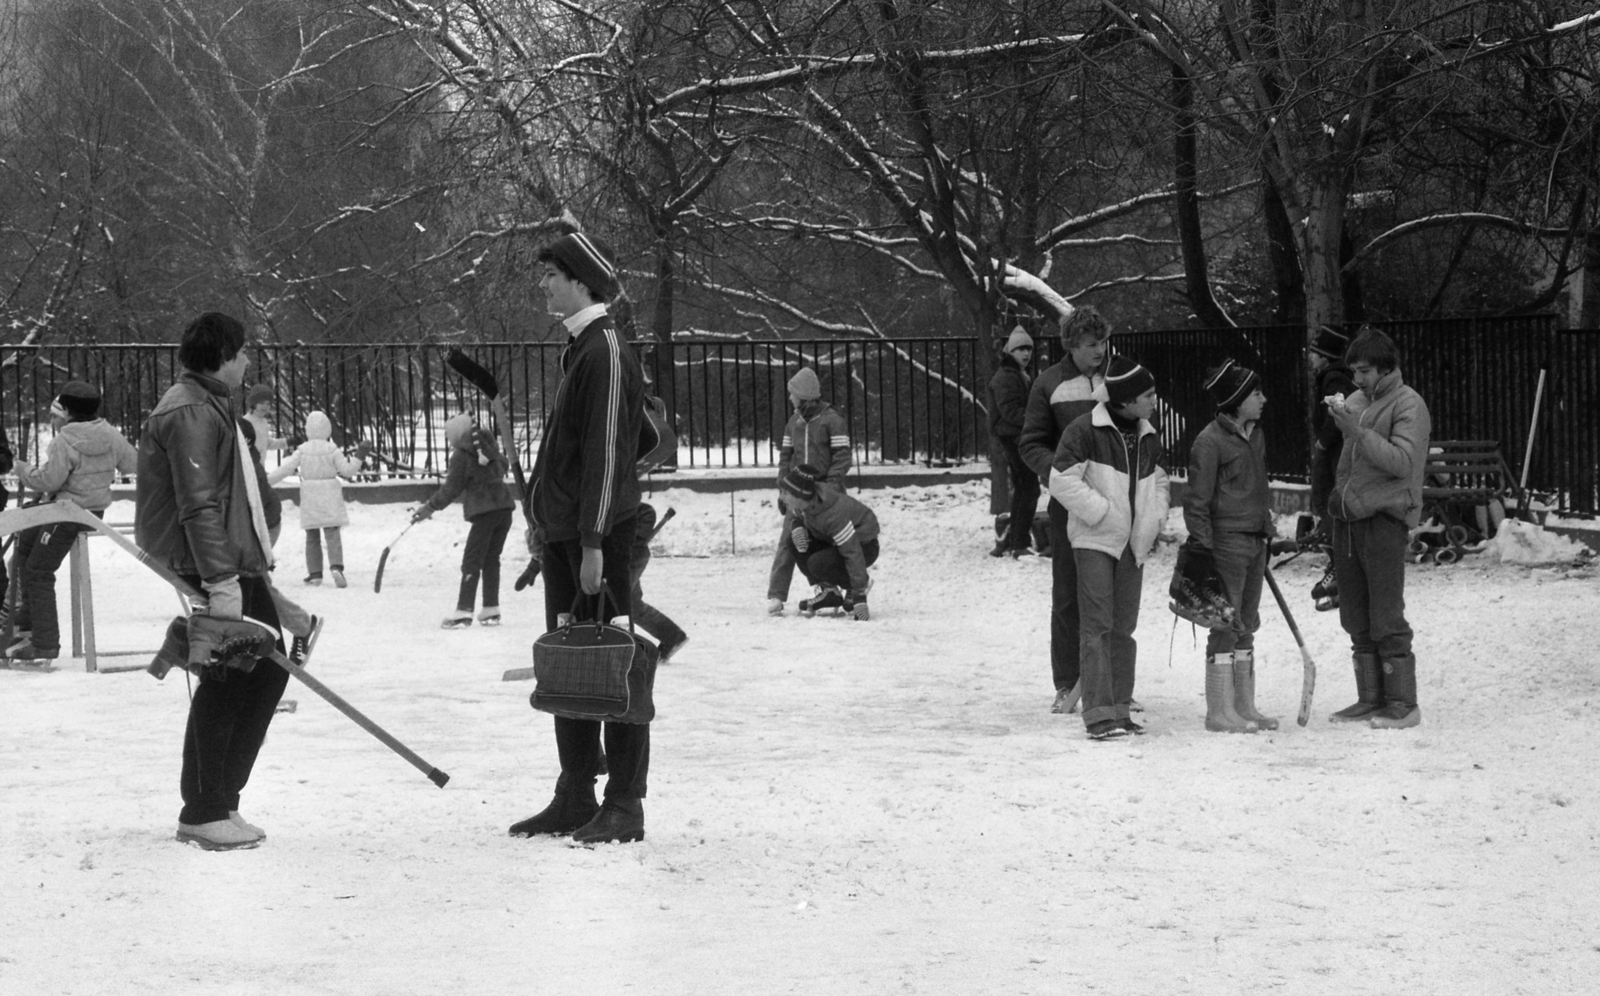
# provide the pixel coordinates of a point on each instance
(906, 400)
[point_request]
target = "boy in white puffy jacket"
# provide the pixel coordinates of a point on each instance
(320, 464)
(1107, 473)
(83, 458)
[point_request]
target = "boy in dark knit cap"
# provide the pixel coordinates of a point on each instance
(816, 436)
(1227, 508)
(1107, 474)
(834, 541)
(86, 454)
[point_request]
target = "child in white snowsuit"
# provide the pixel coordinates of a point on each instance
(322, 509)
(815, 436)
(1107, 474)
(1227, 509)
(477, 471)
(84, 457)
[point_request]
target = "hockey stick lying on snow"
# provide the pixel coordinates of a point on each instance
(68, 512)
(383, 558)
(1308, 684)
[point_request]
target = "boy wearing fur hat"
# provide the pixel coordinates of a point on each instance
(1008, 410)
(816, 436)
(1376, 501)
(320, 464)
(1058, 396)
(84, 457)
(1227, 508)
(1107, 474)
(834, 541)
(478, 471)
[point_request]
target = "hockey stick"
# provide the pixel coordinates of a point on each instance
(383, 558)
(72, 513)
(662, 524)
(1308, 683)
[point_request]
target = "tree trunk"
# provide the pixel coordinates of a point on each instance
(1187, 205)
(1288, 280)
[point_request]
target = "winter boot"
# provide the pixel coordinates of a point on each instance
(619, 821)
(572, 807)
(338, 575)
(1400, 710)
(774, 606)
(1369, 690)
(1067, 699)
(1244, 690)
(1220, 715)
(218, 835)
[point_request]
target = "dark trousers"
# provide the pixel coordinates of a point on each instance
(1024, 496)
(646, 616)
(1241, 562)
(1108, 591)
(228, 719)
(822, 563)
(1065, 652)
(1369, 558)
(39, 555)
(578, 740)
(481, 558)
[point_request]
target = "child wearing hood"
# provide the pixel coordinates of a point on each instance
(322, 510)
(477, 472)
(84, 457)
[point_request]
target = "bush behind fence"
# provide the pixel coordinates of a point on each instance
(906, 400)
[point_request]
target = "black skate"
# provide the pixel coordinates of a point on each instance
(827, 597)
(1326, 591)
(1201, 606)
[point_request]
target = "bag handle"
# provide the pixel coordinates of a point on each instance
(599, 613)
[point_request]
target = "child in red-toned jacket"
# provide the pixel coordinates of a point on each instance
(1107, 474)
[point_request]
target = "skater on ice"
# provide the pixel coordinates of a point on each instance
(1107, 474)
(477, 475)
(815, 436)
(323, 512)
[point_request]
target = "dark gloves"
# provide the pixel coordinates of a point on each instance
(528, 574)
(1196, 563)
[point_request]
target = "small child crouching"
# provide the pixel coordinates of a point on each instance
(1107, 473)
(833, 542)
(477, 471)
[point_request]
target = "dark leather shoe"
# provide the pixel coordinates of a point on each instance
(620, 821)
(569, 810)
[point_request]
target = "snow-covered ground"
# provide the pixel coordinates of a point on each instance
(835, 807)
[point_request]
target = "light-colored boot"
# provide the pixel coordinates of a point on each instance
(244, 824)
(1244, 690)
(1220, 714)
(218, 835)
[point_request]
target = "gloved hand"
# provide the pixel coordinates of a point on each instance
(855, 606)
(224, 600)
(422, 512)
(802, 539)
(528, 575)
(1281, 546)
(533, 537)
(1198, 564)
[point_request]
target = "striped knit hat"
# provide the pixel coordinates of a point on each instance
(801, 481)
(578, 253)
(1126, 380)
(1230, 384)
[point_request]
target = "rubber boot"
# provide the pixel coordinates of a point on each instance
(573, 806)
(1400, 710)
(1369, 690)
(1244, 690)
(1220, 715)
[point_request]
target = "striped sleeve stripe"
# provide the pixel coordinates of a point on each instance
(613, 411)
(788, 442)
(838, 441)
(842, 537)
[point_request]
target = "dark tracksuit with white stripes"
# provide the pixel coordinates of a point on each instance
(586, 495)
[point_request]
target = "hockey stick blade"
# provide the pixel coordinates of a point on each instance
(664, 520)
(474, 373)
(377, 578)
(1308, 681)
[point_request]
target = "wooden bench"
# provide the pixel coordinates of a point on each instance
(1467, 473)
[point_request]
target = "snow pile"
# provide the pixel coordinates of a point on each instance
(1528, 545)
